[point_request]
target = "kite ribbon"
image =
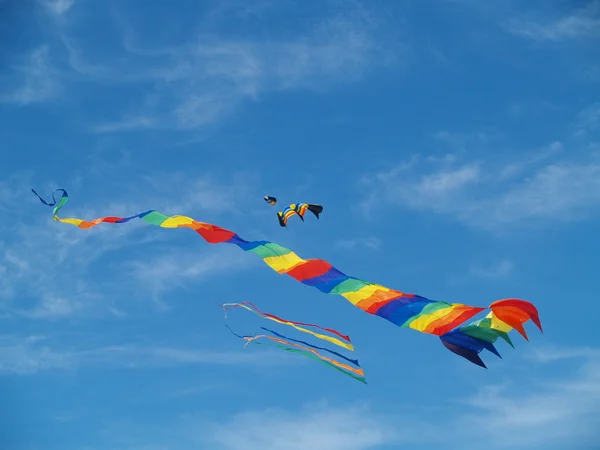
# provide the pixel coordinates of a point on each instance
(306, 352)
(254, 309)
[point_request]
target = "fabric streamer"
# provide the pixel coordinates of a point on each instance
(289, 342)
(352, 361)
(357, 374)
(402, 309)
(250, 307)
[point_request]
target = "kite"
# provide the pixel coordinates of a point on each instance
(402, 309)
(299, 346)
(270, 200)
(298, 209)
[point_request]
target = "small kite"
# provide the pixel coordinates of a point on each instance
(402, 309)
(298, 209)
(301, 347)
(270, 200)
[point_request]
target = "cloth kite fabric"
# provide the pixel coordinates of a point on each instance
(470, 339)
(270, 200)
(250, 307)
(298, 209)
(301, 347)
(402, 309)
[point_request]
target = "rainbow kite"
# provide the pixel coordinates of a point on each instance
(402, 309)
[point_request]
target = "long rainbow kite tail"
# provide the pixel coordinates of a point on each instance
(405, 310)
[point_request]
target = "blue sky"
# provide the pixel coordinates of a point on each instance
(455, 146)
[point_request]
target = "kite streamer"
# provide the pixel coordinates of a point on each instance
(250, 307)
(357, 374)
(305, 353)
(289, 342)
(402, 309)
(353, 361)
(358, 371)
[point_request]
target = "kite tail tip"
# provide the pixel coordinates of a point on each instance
(515, 312)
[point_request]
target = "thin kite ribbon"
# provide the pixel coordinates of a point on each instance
(231, 306)
(254, 309)
(358, 371)
(309, 354)
(352, 361)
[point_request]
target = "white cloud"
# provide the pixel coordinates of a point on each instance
(173, 270)
(539, 409)
(207, 78)
(33, 354)
(464, 141)
(542, 411)
(551, 354)
(127, 124)
(57, 7)
(499, 270)
(562, 413)
(582, 23)
(588, 120)
(47, 268)
(315, 427)
(526, 192)
(36, 80)
(369, 242)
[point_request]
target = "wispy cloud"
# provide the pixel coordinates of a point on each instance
(47, 268)
(499, 270)
(542, 414)
(369, 242)
(588, 120)
(317, 426)
(207, 78)
(527, 191)
(523, 109)
(178, 269)
(552, 354)
(539, 410)
(477, 271)
(126, 124)
(32, 354)
(582, 23)
(57, 7)
(35, 80)
(552, 414)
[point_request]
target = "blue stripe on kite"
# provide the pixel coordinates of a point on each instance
(398, 311)
(469, 342)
